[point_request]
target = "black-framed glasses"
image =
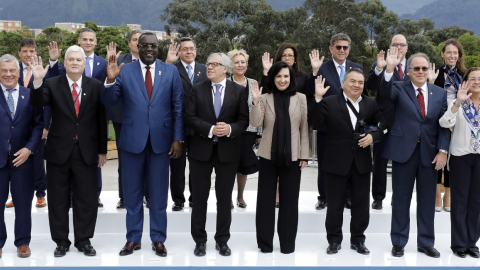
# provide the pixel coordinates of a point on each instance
(338, 47)
(148, 46)
(214, 64)
(417, 69)
(401, 45)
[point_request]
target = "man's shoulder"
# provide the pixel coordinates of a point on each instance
(435, 88)
(355, 65)
(99, 59)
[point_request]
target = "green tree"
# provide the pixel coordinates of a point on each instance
(419, 43)
(440, 35)
(470, 44)
(9, 42)
(48, 35)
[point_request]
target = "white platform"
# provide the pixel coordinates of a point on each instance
(310, 246)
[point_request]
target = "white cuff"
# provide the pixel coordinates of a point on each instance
(52, 63)
(109, 84)
(230, 131)
(377, 72)
(36, 87)
(318, 100)
(210, 134)
(387, 76)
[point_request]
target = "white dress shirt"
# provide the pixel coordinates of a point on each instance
(15, 95)
(222, 91)
(337, 66)
(144, 71)
(404, 63)
(25, 71)
(192, 65)
(356, 105)
(78, 88)
(424, 87)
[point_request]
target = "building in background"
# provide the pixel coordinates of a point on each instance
(8, 25)
(70, 27)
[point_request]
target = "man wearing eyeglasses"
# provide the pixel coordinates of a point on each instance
(152, 134)
(417, 146)
(216, 113)
(379, 179)
(333, 71)
(191, 73)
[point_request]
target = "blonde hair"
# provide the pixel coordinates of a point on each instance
(236, 52)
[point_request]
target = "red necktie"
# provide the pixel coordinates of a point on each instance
(148, 82)
(76, 101)
(400, 71)
(421, 103)
(134, 60)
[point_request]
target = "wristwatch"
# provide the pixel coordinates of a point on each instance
(455, 104)
(443, 151)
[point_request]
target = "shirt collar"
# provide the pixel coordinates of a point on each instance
(424, 88)
(79, 82)
(185, 65)
(142, 65)
(223, 83)
(91, 55)
(24, 65)
(358, 99)
(337, 64)
(5, 88)
(133, 58)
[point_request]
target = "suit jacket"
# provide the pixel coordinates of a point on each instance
(114, 112)
(341, 147)
(99, 71)
(264, 113)
(386, 106)
(409, 124)
(25, 130)
(160, 118)
(90, 125)
(200, 117)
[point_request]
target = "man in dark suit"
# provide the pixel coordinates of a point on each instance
(27, 50)
(20, 135)
(386, 106)
(333, 71)
(152, 133)
(191, 73)
(216, 113)
(95, 68)
(352, 121)
(76, 146)
(417, 146)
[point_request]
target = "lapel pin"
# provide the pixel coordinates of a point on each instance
(431, 93)
(159, 73)
(350, 67)
(23, 97)
(84, 94)
(98, 63)
(198, 73)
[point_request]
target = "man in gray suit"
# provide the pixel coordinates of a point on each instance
(191, 73)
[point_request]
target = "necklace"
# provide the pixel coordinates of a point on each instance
(244, 81)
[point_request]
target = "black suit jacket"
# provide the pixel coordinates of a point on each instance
(90, 125)
(199, 75)
(341, 147)
(114, 112)
(386, 106)
(200, 117)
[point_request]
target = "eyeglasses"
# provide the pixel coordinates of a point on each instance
(214, 64)
(148, 46)
(188, 49)
(339, 48)
(286, 56)
(417, 69)
(401, 45)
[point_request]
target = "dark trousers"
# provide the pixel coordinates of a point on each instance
(321, 147)
(360, 195)
(133, 172)
(118, 130)
(379, 178)
(83, 177)
(40, 178)
(177, 176)
(288, 189)
(465, 211)
(403, 181)
(224, 181)
(21, 181)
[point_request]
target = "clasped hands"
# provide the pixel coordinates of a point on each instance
(221, 129)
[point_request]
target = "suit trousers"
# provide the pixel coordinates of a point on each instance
(335, 186)
(40, 179)
(177, 176)
(379, 179)
(403, 181)
(224, 181)
(465, 211)
(289, 190)
(21, 181)
(118, 130)
(133, 180)
(60, 178)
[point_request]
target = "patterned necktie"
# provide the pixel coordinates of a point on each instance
(400, 71)
(11, 103)
(217, 103)
(88, 72)
(26, 81)
(190, 73)
(342, 75)
(148, 82)
(421, 103)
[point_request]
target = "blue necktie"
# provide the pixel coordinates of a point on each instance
(342, 75)
(11, 103)
(190, 73)
(88, 72)
(217, 103)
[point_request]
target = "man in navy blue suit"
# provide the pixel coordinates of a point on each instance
(20, 133)
(386, 106)
(95, 68)
(418, 146)
(152, 133)
(333, 71)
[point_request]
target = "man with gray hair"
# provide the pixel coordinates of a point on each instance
(20, 135)
(216, 113)
(76, 146)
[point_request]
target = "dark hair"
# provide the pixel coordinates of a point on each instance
(470, 70)
(183, 39)
(354, 70)
(398, 35)
(272, 73)
(278, 56)
(339, 37)
(147, 34)
(27, 42)
(87, 30)
(460, 61)
(136, 31)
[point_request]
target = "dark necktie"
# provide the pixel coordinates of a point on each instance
(421, 103)
(400, 71)
(217, 103)
(148, 82)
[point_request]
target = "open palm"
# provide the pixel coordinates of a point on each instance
(320, 88)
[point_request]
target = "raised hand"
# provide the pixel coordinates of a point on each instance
(172, 55)
(393, 59)
(432, 75)
(320, 88)
(38, 70)
(53, 51)
(381, 62)
(112, 68)
(256, 93)
(267, 63)
(112, 50)
(462, 93)
(315, 61)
